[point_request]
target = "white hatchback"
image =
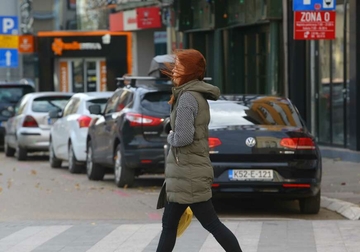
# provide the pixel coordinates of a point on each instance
(28, 130)
(69, 132)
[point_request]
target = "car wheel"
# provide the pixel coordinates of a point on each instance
(9, 152)
(310, 205)
(21, 153)
(54, 162)
(94, 171)
(124, 176)
(74, 167)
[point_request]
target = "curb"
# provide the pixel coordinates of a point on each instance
(346, 209)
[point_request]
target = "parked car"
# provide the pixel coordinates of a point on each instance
(260, 146)
(128, 137)
(69, 132)
(10, 94)
(28, 130)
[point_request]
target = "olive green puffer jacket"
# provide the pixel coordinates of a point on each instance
(189, 173)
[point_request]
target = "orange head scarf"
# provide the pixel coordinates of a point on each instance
(193, 67)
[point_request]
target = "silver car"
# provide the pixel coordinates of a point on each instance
(28, 130)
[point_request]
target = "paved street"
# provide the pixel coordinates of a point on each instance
(45, 209)
(32, 190)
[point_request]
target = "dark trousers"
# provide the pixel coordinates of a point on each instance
(205, 213)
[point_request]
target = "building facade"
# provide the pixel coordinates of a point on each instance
(250, 49)
(143, 19)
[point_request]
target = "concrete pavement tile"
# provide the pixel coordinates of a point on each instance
(336, 248)
(75, 249)
(8, 230)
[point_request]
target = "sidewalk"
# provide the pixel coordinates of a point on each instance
(341, 181)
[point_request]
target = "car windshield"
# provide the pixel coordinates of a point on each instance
(157, 102)
(256, 113)
(101, 101)
(46, 104)
(13, 94)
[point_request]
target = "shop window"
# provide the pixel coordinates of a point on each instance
(331, 127)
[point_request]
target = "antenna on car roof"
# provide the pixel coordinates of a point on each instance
(131, 80)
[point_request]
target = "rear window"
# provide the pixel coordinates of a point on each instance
(13, 94)
(156, 102)
(102, 102)
(46, 104)
(256, 113)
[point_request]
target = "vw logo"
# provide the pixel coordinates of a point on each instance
(250, 141)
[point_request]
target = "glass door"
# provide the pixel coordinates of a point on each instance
(91, 76)
(81, 75)
(77, 67)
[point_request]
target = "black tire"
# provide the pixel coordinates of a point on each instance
(74, 166)
(124, 176)
(94, 171)
(9, 152)
(54, 161)
(21, 153)
(310, 205)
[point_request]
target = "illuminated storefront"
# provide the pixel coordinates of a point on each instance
(83, 61)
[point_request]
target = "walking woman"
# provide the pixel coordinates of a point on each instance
(189, 173)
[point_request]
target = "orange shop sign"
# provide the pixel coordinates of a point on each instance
(26, 44)
(58, 46)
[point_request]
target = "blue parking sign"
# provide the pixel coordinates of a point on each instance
(314, 5)
(9, 25)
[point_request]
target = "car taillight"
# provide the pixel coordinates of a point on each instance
(299, 143)
(213, 142)
(30, 122)
(139, 119)
(84, 121)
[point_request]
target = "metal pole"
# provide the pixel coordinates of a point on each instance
(345, 85)
(8, 74)
(286, 48)
(169, 30)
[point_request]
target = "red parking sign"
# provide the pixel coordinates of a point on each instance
(314, 25)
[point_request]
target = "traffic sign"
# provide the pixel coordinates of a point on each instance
(9, 41)
(9, 58)
(314, 25)
(312, 5)
(9, 25)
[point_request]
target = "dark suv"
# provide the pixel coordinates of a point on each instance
(10, 94)
(128, 137)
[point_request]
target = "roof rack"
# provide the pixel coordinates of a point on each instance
(133, 79)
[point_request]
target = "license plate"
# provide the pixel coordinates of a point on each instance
(251, 174)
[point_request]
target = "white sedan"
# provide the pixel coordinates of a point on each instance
(28, 130)
(69, 132)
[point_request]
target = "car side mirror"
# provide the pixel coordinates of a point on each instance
(54, 114)
(8, 112)
(95, 109)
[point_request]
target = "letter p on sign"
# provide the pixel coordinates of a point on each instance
(9, 25)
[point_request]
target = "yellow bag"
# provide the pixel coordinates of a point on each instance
(184, 221)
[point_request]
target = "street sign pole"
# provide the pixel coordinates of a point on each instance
(8, 74)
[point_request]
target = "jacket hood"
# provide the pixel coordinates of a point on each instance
(209, 91)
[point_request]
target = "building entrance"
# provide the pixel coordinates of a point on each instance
(80, 75)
